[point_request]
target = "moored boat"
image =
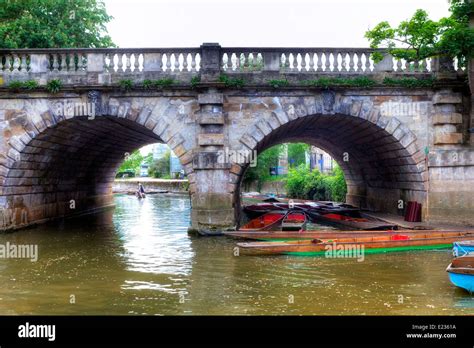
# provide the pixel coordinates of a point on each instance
(371, 244)
(462, 248)
(294, 221)
(461, 272)
(269, 221)
(326, 234)
(350, 222)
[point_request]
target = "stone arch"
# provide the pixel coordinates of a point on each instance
(52, 158)
(386, 163)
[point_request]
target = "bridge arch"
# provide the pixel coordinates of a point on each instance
(59, 164)
(379, 155)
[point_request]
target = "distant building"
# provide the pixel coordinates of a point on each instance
(159, 151)
(144, 169)
(321, 160)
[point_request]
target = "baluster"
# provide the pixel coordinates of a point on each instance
(367, 62)
(128, 62)
(327, 64)
(343, 56)
(24, 63)
(416, 66)
(55, 62)
(351, 62)
(303, 61)
(193, 62)
(311, 61)
(63, 65)
(176, 61)
(16, 64)
(136, 63)
(295, 62)
(8, 65)
(286, 64)
(120, 63)
(320, 61)
(359, 62)
(185, 61)
(255, 61)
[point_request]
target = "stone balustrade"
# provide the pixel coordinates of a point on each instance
(141, 63)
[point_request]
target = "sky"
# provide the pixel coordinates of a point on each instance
(302, 23)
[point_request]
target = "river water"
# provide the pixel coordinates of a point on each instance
(139, 259)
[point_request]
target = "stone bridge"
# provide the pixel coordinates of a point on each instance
(399, 131)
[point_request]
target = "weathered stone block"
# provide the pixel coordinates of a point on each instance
(211, 98)
(448, 138)
(453, 118)
(211, 118)
(210, 139)
(447, 98)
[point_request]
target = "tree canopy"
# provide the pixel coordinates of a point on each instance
(53, 24)
(420, 37)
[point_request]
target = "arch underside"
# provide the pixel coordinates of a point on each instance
(378, 169)
(75, 159)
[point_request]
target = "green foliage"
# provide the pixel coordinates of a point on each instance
(155, 84)
(327, 82)
(160, 168)
(420, 37)
(195, 80)
(278, 83)
(126, 84)
(132, 162)
(231, 82)
(305, 184)
(18, 85)
(53, 24)
(297, 154)
(409, 82)
(261, 172)
(54, 86)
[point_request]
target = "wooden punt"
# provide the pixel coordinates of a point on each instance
(294, 221)
(268, 222)
(349, 222)
(371, 244)
(325, 234)
(461, 272)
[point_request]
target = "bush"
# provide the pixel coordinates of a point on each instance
(160, 168)
(305, 184)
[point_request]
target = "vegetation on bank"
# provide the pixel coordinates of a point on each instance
(300, 182)
(304, 183)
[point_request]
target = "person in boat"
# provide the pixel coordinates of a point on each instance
(140, 191)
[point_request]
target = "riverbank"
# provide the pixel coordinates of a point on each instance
(151, 185)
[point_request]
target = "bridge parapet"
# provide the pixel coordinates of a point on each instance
(107, 66)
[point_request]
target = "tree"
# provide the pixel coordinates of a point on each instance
(132, 162)
(297, 153)
(161, 167)
(420, 37)
(265, 160)
(53, 24)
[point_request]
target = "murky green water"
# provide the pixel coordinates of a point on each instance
(139, 259)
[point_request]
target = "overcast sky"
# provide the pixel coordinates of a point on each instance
(313, 23)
